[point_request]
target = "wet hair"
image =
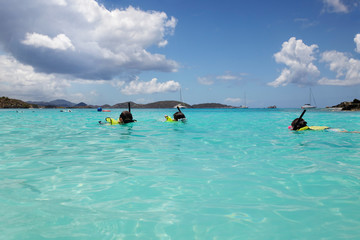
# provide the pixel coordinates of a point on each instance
(126, 116)
(178, 115)
(296, 124)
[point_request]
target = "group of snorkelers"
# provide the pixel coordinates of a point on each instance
(298, 124)
(127, 117)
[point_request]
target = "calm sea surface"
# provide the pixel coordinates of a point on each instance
(225, 174)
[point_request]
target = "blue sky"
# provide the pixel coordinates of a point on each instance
(111, 51)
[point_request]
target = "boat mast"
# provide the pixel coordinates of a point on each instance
(181, 99)
(311, 94)
(245, 98)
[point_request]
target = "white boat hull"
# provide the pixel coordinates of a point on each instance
(307, 106)
(179, 106)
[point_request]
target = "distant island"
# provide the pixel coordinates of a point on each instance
(349, 106)
(6, 102)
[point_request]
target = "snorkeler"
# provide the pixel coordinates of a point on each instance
(125, 117)
(178, 116)
(299, 124)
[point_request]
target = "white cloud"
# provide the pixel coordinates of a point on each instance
(21, 81)
(228, 77)
(105, 43)
(345, 67)
(153, 86)
(61, 41)
(59, 2)
(117, 83)
(336, 6)
(298, 57)
(357, 42)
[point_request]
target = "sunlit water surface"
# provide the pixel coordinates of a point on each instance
(225, 174)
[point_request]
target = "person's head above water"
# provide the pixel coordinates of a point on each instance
(178, 116)
(126, 117)
(297, 124)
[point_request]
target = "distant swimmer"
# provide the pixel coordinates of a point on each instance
(125, 117)
(299, 124)
(178, 116)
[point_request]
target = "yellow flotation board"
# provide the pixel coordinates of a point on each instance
(316, 128)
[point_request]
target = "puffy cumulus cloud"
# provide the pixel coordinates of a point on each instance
(357, 42)
(335, 6)
(298, 57)
(21, 81)
(61, 41)
(153, 86)
(345, 67)
(83, 39)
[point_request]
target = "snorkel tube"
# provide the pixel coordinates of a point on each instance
(179, 109)
(129, 108)
(298, 120)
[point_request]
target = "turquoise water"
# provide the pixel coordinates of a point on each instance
(225, 174)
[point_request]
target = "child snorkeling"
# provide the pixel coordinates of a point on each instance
(299, 124)
(178, 116)
(125, 117)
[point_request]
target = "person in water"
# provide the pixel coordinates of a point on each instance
(299, 124)
(177, 116)
(126, 117)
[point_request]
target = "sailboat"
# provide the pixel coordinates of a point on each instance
(244, 106)
(308, 105)
(180, 105)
